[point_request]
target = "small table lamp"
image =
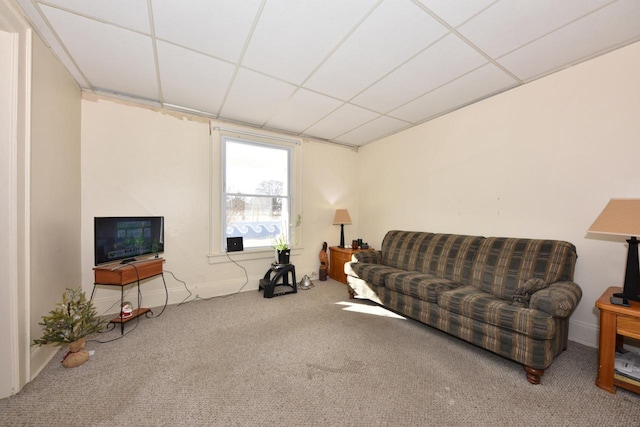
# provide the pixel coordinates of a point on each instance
(342, 217)
(622, 217)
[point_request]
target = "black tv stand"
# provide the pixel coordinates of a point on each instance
(279, 280)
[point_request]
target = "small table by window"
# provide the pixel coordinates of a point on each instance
(276, 281)
(616, 322)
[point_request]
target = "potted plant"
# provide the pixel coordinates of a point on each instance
(281, 243)
(72, 320)
(283, 251)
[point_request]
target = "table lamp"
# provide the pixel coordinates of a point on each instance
(342, 217)
(622, 217)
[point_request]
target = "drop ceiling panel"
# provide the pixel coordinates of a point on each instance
(57, 48)
(254, 97)
(517, 22)
(131, 14)
(392, 34)
(97, 49)
(333, 69)
(342, 120)
(302, 110)
(191, 79)
(444, 61)
(373, 130)
(610, 27)
(276, 46)
(456, 12)
(217, 28)
(478, 84)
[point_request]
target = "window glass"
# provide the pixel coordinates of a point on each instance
(256, 199)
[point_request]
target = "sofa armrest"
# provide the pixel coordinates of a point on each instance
(370, 257)
(558, 299)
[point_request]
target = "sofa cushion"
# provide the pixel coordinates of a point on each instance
(522, 295)
(419, 285)
(372, 257)
(504, 264)
(449, 256)
(400, 249)
(372, 273)
(479, 305)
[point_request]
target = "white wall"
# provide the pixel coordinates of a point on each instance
(538, 161)
(55, 191)
(139, 161)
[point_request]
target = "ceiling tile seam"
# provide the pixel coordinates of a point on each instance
(238, 64)
(409, 124)
(89, 85)
(429, 46)
(466, 104)
(556, 29)
(341, 42)
(379, 137)
(152, 29)
(455, 32)
(390, 112)
(584, 58)
(320, 64)
(92, 18)
(475, 15)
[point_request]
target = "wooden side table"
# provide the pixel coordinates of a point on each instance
(616, 322)
(337, 258)
(123, 275)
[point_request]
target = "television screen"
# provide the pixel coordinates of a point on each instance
(124, 238)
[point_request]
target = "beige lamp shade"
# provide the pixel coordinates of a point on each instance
(619, 217)
(341, 217)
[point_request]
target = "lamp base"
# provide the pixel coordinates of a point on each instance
(619, 299)
(631, 289)
(342, 235)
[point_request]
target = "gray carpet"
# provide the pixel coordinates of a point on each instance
(311, 358)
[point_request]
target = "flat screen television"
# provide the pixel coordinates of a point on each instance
(124, 238)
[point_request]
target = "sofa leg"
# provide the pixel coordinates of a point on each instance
(533, 375)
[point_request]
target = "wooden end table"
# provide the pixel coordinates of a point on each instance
(337, 258)
(616, 322)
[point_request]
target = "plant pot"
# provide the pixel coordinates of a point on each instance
(284, 256)
(76, 355)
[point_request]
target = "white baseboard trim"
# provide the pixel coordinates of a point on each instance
(584, 333)
(40, 356)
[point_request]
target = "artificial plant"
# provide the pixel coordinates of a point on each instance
(73, 318)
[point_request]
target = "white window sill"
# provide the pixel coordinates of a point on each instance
(247, 255)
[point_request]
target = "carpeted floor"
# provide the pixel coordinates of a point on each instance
(307, 359)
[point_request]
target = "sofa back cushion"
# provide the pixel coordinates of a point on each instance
(503, 265)
(449, 256)
(400, 249)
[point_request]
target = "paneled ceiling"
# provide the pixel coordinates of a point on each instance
(346, 71)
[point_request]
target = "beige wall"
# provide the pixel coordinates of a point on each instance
(55, 189)
(539, 161)
(137, 161)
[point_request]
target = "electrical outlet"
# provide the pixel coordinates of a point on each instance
(313, 274)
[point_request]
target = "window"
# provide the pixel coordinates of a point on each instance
(256, 197)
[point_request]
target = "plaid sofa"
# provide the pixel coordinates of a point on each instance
(508, 295)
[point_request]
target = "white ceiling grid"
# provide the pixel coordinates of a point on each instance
(350, 72)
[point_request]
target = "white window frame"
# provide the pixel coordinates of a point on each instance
(217, 242)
